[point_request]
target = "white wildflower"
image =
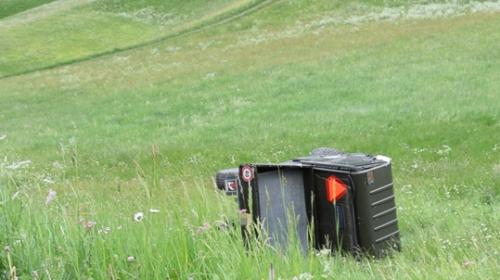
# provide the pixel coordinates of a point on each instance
(104, 230)
(88, 225)
(173, 49)
(155, 51)
(57, 165)
(50, 196)
(48, 180)
(205, 227)
(323, 253)
(3, 137)
(153, 210)
(130, 258)
(210, 75)
(303, 276)
(138, 217)
(362, 16)
(18, 165)
(444, 151)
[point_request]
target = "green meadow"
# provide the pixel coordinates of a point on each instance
(115, 115)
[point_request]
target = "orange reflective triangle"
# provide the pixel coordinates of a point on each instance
(335, 189)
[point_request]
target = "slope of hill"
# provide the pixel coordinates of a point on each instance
(71, 31)
(144, 129)
(12, 7)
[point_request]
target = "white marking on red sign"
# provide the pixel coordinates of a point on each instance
(231, 185)
(247, 173)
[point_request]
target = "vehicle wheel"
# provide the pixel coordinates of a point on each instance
(324, 152)
(223, 175)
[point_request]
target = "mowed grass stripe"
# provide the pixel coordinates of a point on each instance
(9, 8)
(224, 16)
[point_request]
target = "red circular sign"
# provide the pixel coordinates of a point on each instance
(247, 173)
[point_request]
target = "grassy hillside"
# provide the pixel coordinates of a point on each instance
(146, 129)
(88, 28)
(11, 7)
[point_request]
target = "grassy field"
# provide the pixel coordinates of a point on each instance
(12, 7)
(86, 29)
(132, 119)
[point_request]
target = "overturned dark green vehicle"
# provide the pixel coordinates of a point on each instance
(335, 200)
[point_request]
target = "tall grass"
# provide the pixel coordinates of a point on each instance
(188, 232)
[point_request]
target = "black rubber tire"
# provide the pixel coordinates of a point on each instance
(324, 152)
(223, 175)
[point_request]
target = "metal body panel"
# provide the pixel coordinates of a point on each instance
(335, 223)
(282, 206)
(376, 211)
